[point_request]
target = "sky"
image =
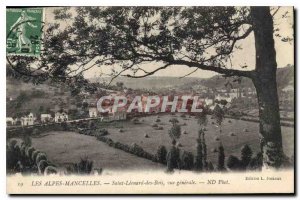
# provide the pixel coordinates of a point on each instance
(245, 56)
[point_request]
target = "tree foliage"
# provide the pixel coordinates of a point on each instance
(221, 158)
(161, 154)
(234, 163)
(173, 159)
(199, 154)
(175, 131)
(126, 38)
(246, 155)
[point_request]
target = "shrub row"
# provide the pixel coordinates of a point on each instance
(132, 149)
(24, 158)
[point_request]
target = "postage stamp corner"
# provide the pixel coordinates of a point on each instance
(24, 31)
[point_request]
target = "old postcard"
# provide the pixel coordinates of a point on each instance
(150, 100)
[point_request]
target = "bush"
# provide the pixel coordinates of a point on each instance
(34, 155)
(187, 160)
(173, 159)
(118, 145)
(23, 149)
(84, 166)
(210, 166)
(102, 132)
(233, 163)
(154, 125)
(246, 154)
(174, 121)
(256, 162)
(35, 131)
(136, 150)
(199, 154)
(12, 143)
(50, 170)
(157, 120)
(39, 157)
(12, 157)
(110, 142)
(41, 165)
(175, 131)
(161, 154)
(27, 140)
(29, 152)
(135, 120)
(221, 158)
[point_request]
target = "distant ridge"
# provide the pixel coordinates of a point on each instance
(285, 76)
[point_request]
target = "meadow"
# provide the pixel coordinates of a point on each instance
(67, 147)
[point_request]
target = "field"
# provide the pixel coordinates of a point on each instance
(66, 147)
(135, 133)
(63, 148)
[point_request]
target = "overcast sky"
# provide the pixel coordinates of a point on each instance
(246, 56)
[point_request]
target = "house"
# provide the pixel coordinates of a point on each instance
(208, 101)
(10, 121)
(93, 112)
(45, 118)
(288, 88)
(60, 117)
(119, 115)
(27, 120)
(222, 97)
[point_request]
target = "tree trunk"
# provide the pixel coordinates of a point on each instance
(266, 88)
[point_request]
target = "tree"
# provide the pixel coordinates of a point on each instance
(41, 109)
(234, 163)
(120, 85)
(202, 118)
(198, 37)
(201, 144)
(256, 162)
(199, 155)
(161, 154)
(173, 159)
(246, 155)
(218, 115)
(210, 167)
(187, 160)
(221, 158)
(204, 147)
(174, 121)
(175, 132)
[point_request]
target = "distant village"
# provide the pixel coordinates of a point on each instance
(233, 100)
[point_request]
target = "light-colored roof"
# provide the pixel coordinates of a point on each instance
(45, 115)
(9, 119)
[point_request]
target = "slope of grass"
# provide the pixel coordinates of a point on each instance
(63, 148)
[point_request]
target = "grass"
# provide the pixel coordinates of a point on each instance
(64, 148)
(134, 133)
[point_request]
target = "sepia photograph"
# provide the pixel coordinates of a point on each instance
(150, 100)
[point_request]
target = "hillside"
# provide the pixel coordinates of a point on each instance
(285, 76)
(153, 82)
